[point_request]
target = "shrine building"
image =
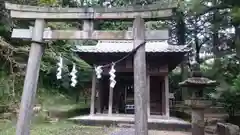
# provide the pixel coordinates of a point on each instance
(161, 58)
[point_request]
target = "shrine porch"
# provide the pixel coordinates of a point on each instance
(156, 122)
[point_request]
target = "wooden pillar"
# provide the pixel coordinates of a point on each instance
(148, 93)
(140, 93)
(98, 95)
(163, 90)
(31, 80)
(110, 102)
(88, 28)
(166, 84)
(92, 108)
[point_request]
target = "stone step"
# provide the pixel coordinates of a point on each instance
(130, 131)
(155, 122)
(210, 129)
(125, 125)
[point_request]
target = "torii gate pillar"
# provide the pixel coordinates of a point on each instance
(140, 79)
(31, 79)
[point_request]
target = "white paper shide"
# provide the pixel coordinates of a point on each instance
(59, 69)
(98, 71)
(112, 76)
(74, 77)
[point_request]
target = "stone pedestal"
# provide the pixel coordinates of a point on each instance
(198, 107)
(197, 121)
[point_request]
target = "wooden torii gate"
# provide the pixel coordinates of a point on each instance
(88, 15)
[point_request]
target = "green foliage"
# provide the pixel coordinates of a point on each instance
(174, 79)
(48, 2)
(226, 72)
(10, 87)
(231, 97)
(236, 15)
(231, 2)
(5, 93)
(11, 76)
(225, 68)
(234, 6)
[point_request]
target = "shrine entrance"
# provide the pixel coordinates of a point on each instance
(123, 95)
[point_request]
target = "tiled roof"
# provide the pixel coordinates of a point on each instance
(118, 46)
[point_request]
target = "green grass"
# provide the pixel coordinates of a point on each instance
(58, 105)
(61, 105)
(59, 128)
(64, 106)
(68, 107)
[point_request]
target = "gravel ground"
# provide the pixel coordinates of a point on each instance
(129, 131)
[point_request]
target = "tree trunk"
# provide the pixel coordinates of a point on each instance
(237, 40)
(184, 76)
(181, 38)
(215, 37)
(196, 40)
(85, 100)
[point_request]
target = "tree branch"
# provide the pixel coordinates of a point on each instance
(217, 7)
(203, 42)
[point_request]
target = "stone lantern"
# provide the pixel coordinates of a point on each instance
(197, 103)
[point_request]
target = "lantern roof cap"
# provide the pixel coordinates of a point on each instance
(197, 80)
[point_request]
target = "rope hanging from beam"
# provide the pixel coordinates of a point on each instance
(115, 62)
(98, 69)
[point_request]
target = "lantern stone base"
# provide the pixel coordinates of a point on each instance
(198, 107)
